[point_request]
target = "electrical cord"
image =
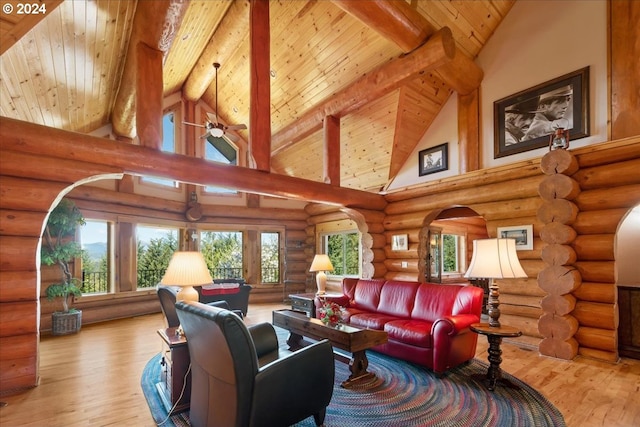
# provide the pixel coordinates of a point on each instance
(184, 385)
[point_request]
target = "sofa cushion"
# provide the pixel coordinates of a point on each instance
(367, 294)
(370, 320)
(412, 332)
(398, 298)
(434, 301)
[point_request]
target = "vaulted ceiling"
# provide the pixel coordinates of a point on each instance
(72, 68)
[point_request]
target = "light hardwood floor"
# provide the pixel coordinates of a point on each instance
(93, 379)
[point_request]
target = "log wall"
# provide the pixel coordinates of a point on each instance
(609, 186)
(32, 184)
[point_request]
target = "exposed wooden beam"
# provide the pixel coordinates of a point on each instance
(469, 131)
(149, 96)
(625, 68)
(233, 27)
(331, 150)
(439, 49)
(155, 24)
(26, 137)
(394, 20)
(260, 82)
(406, 27)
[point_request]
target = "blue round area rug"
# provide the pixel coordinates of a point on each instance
(404, 394)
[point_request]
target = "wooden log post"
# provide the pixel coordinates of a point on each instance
(559, 278)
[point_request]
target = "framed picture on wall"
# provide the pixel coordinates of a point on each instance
(434, 159)
(399, 242)
(523, 235)
(524, 121)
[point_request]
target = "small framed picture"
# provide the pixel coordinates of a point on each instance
(434, 159)
(400, 242)
(523, 235)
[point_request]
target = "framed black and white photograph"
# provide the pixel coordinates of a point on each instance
(523, 235)
(400, 242)
(434, 159)
(524, 121)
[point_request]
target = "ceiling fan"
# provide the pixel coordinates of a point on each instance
(212, 126)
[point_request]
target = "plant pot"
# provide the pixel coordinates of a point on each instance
(66, 323)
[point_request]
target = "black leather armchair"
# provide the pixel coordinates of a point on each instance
(240, 378)
(167, 296)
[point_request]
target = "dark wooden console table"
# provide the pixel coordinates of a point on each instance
(494, 336)
(175, 365)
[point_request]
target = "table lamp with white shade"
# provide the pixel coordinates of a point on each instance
(187, 269)
(320, 264)
(494, 259)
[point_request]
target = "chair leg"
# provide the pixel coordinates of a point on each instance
(319, 417)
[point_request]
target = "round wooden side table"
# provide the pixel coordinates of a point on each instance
(494, 336)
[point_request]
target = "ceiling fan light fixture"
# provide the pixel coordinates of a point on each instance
(216, 132)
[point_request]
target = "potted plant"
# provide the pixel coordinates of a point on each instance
(60, 248)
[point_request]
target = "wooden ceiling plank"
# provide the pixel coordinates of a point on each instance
(384, 79)
(24, 24)
(223, 42)
(49, 76)
(12, 104)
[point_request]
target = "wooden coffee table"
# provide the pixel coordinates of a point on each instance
(344, 337)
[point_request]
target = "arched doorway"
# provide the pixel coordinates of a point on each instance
(454, 228)
(627, 253)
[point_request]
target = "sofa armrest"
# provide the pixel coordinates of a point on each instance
(452, 325)
(264, 338)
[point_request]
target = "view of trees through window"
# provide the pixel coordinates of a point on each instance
(222, 251)
(270, 257)
(94, 236)
(452, 246)
(344, 252)
(155, 246)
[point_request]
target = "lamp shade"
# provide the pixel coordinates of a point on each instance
(495, 259)
(321, 262)
(187, 268)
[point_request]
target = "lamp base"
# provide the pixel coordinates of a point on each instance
(321, 282)
(493, 305)
(188, 293)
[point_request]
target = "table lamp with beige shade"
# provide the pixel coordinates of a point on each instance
(494, 259)
(187, 269)
(320, 264)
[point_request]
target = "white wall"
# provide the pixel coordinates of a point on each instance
(627, 250)
(536, 42)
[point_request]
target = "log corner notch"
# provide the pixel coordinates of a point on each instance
(559, 278)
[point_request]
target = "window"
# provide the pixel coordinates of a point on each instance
(220, 150)
(344, 252)
(270, 257)
(453, 250)
(222, 251)
(95, 238)
(168, 145)
(155, 246)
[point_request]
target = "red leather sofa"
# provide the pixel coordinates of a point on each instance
(426, 323)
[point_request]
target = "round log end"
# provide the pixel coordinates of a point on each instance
(560, 349)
